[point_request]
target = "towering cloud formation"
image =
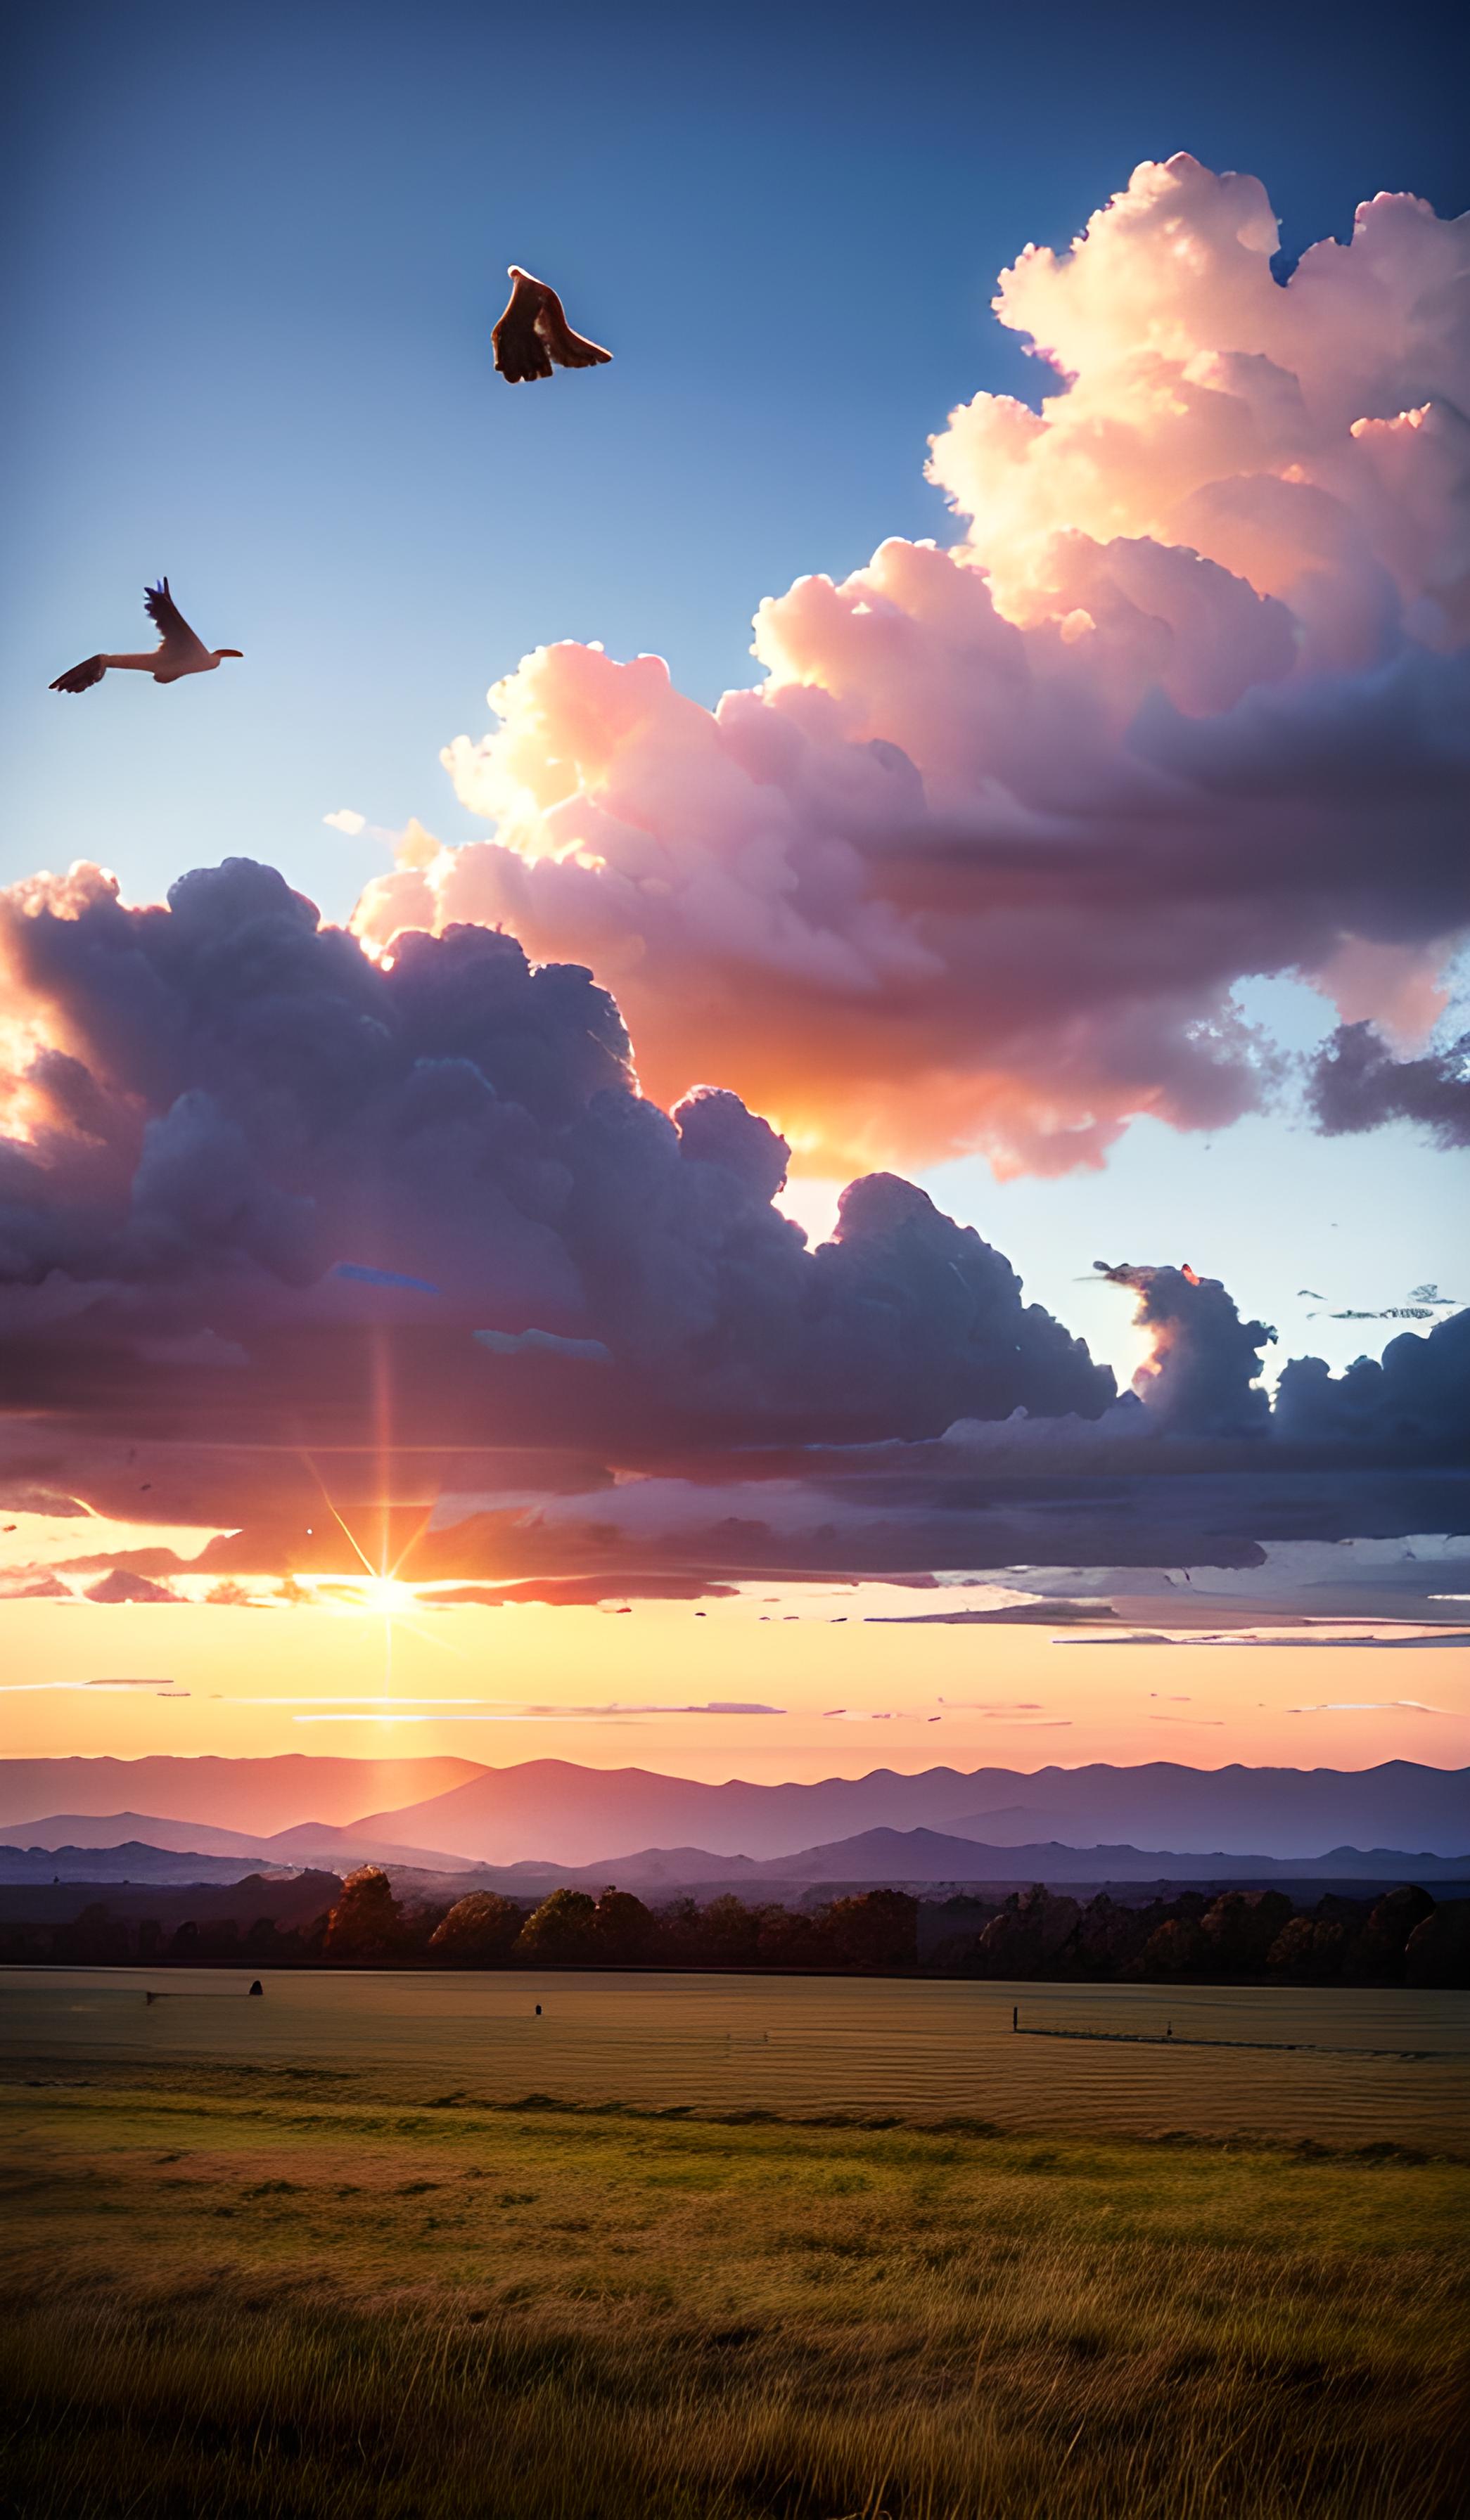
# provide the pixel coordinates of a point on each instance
(1416, 1397)
(237, 1141)
(984, 858)
(280, 1220)
(1200, 1376)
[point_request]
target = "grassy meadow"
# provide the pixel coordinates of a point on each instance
(1340, 2065)
(263, 2293)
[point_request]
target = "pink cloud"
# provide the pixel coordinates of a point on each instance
(983, 860)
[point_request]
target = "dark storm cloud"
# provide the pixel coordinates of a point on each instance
(1413, 1399)
(905, 1319)
(233, 1099)
(1201, 1375)
(1354, 1083)
(264, 1197)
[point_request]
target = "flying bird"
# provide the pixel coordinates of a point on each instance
(178, 651)
(534, 331)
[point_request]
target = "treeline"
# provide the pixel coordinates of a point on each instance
(1401, 1938)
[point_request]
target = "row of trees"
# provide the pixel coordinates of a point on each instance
(1037, 1933)
(876, 1931)
(1402, 1938)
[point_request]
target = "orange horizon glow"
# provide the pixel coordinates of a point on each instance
(851, 1696)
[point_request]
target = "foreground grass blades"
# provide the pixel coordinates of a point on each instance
(246, 2302)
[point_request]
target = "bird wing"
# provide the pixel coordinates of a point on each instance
(519, 352)
(173, 630)
(81, 677)
(569, 349)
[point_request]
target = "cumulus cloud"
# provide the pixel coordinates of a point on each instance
(983, 860)
(1201, 1370)
(264, 1195)
(243, 1147)
(1354, 1083)
(1417, 1393)
(346, 820)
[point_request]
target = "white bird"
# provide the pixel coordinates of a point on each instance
(178, 651)
(534, 330)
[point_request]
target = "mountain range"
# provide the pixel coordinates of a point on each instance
(264, 1794)
(551, 1813)
(310, 1842)
(552, 1809)
(134, 1863)
(910, 1858)
(925, 1855)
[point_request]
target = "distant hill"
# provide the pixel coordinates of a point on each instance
(132, 1864)
(300, 1809)
(313, 1842)
(242, 1794)
(911, 1857)
(118, 1828)
(297, 1902)
(925, 1855)
(564, 1814)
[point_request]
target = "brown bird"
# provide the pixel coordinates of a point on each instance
(178, 651)
(534, 330)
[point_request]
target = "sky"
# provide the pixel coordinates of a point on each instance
(254, 259)
(838, 1700)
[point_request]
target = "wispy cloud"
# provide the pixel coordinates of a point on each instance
(1249, 1639)
(1024, 1716)
(991, 1707)
(1140, 1637)
(1379, 1706)
(54, 1687)
(1372, 1645)
(487, 1710)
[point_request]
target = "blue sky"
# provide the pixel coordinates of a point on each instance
(255, 256)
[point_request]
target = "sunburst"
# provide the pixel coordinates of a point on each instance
(380, 1592)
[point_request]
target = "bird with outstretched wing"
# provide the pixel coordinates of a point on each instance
(179, 651)
(533, 332)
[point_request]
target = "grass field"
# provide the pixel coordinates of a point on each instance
(247, 2294)
(795, 2045)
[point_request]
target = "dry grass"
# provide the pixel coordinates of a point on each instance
(916, 2049)
(246, 2303)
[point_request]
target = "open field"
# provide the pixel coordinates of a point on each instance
(795, 2045)
(249, 2297)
